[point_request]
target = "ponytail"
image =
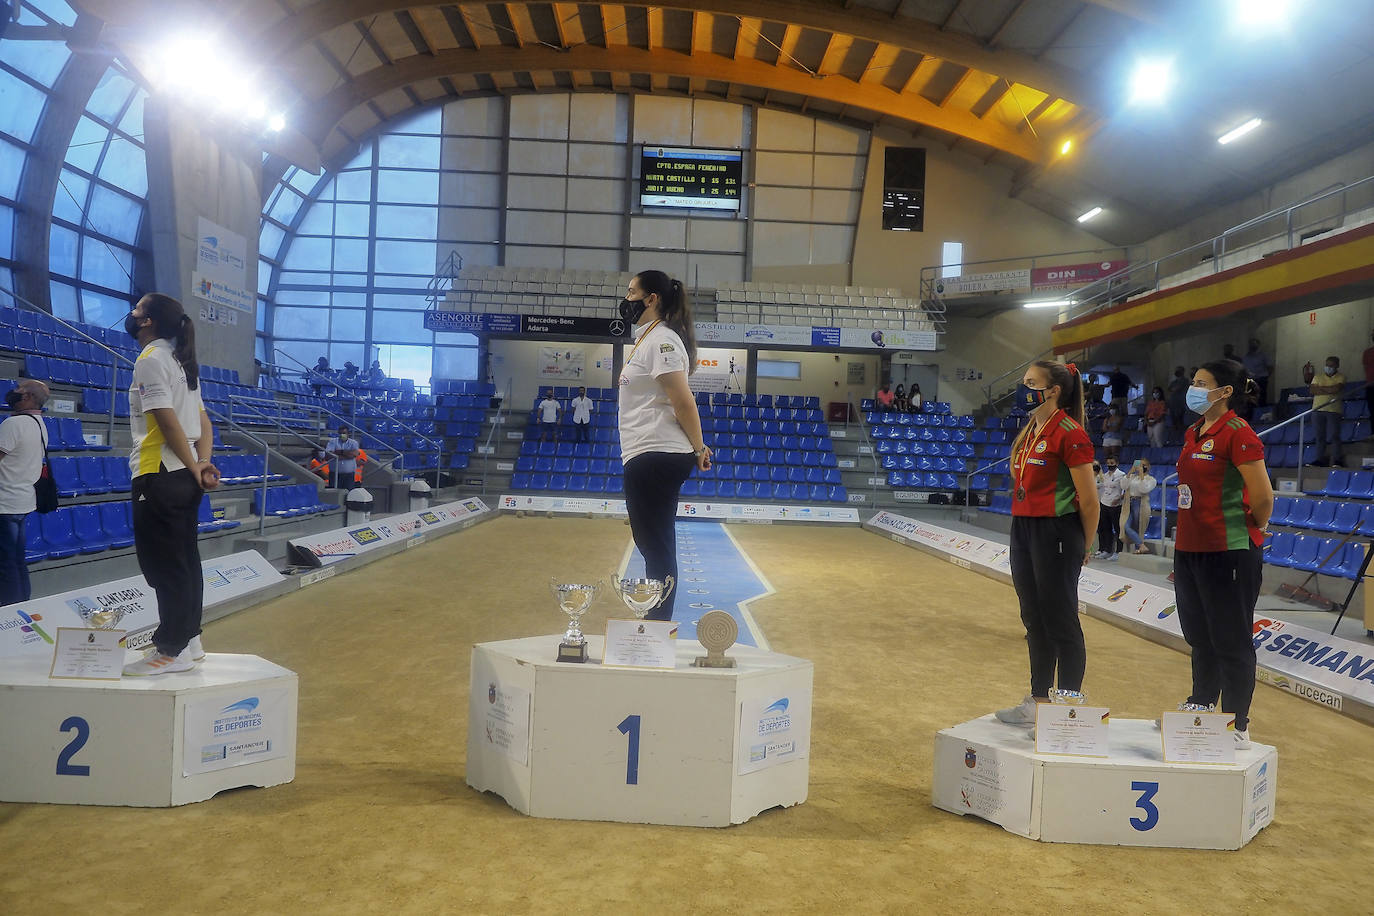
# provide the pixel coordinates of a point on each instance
(171, 322)
(673, 309)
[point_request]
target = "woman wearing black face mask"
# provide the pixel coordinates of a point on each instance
(660, 429)
(1054, 514)
(170, 462)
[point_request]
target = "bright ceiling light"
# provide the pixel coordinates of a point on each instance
(1261, 14)
(1065, 147)
(1151, 81)
(1083, 218)
(276, 123)
(1048, 304)
(1238, 132)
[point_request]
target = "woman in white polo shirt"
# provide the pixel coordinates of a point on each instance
(660, 429)
(170, 463)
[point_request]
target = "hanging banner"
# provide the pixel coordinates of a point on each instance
(564, 363)
(221, 272)
(1068, 275)
(998, 281)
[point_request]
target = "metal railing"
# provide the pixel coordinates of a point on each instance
(872, 450)
(278, 422)
(993, 402)
(932, 276)
(499, 422)
(967, 513)
(442, 281)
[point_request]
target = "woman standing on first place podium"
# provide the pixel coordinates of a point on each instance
(170, 462)
(660, 429)
(1054, 514)
(1224, 503)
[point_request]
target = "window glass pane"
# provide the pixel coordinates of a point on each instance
(114, 214)
(11, 165)
(407, 362)
(264, 276)
(284, 210)
(348, 324)
(408, 187)
(342, 353)
(125, 166)
(269, 242)
(62, 251)
(391, 281)
(363, 160)
(353, 186)
(350, 254)
(104, 311)
(302, 181)
(260, 349)
(6, 282)
(291, 278)
(87, 141)
(20, 106)
(406, 257)
(106, 265)
(6, 232)
(260, 319)
(410, 152)
(308, 253)
(108, 99)
(407, 222)
(64, 301)
(70, 200)
(318, 220)
(400, 327)
(303, 352)
(132, 122)
(350, 300)
(395, 301)
(56, 10)
(302, 297)
(289, 321)
(42, 60)
(455, 362)
(779, 368)
(352, 220)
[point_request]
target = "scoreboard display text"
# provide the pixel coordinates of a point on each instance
(675, 177)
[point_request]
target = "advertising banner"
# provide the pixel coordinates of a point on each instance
(472, 322)
(997, 281)
(332, 546)
(616, 507)
(1065, 276)
(218, 735)
(221, 272)
(562, 363)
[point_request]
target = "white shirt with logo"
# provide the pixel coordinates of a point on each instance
(548, 410)
(23, 439)
(1111, 490)
(647, 422)
(159, 382)
(582, 409)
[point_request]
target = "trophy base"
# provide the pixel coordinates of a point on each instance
(714, 661)
(576, 652)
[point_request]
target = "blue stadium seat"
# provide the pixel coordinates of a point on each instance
(58, 535)
(520, 480)
(1300, 512)
(1361, 483)
(90, 535)
(1282, 506)
(66, 475)
(1323, 513)
(1305, 552)
(115, 521)
(1346, 519)
(35, 550)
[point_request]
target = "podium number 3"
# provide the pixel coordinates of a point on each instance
(630, 726)
(1147, 791)
(65, 767)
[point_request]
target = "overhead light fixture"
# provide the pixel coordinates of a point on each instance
(1048, 304)
(1065, 147)
(1238, 132)
(1261, 14)
(1083, 218)
(1151, 81)
(276, 123)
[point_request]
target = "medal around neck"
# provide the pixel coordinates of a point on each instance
(642, 595)
(716, 631)
(574, 599)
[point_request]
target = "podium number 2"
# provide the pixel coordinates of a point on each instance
(630, 726)
(1147, 791)
(65, 767)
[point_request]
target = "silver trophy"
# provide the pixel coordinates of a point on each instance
(574, 599)
(642, 595)
(103, 618)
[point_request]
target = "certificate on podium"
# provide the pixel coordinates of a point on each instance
(1075, 731)
(83, 654)
(640, 643)
(1198, 737)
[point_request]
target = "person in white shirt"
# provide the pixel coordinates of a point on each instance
(549, 409)
(1111, 490)
(582, 415)
(23, 440)
(660, 429)
(170, 462)
(343, 449)
(1136, 518)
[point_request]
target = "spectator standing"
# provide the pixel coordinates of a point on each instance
(1229, 352)
(1112, 432)
(1258, 366)
(549, 409)
(1176, 399)
(170, 464)
(1326, 403)
(582, 415)
(1155, 411)
(885, 396)
(1369, 377)
(342, 451)
(1111, 492)
(23, 442)
(1136, 516)
(1120, 384)
(358, 470)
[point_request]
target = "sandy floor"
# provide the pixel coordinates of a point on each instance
(379, 819)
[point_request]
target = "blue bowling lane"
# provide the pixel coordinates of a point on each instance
(716, 575)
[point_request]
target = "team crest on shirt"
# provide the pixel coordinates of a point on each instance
(1041, 446)
(1208, 445)
(665, 348)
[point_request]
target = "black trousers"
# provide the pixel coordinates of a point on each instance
(165, 505)
(653, 481)
(1216, 594)
(1046, 558)
(583, 431)
(1109, 529)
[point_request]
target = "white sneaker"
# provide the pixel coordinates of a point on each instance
(1022, 714)
(195, 649)
(155, 663)
(1242, 739)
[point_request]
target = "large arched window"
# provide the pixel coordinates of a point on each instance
(347, 259)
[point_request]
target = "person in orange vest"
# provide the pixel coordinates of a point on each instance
(319, 463)
(358, 472)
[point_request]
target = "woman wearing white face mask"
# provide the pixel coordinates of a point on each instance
(1224, 502)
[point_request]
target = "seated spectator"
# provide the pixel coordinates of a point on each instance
(549, 409)
(885, 396)
(1136, 518)
(899, 400)
(358, 472)
(318, 463)
(914, 397)
(322, 365)
(375, 373)
(1155, 412)
(350, 373)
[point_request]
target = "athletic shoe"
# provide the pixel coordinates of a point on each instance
(1023, 714)
(1242, 739)
(155, 663)
(1111, 557)
(195, 649)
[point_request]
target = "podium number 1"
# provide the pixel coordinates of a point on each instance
(1147, 791)
(630, 726)
(65, 767)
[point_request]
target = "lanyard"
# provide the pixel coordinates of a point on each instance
(642, 337)
(1019, 462)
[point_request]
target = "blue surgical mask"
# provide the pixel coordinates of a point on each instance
(1329, 370)
(1028, 397)
(1199, 399)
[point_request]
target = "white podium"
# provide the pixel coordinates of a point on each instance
(689, 746)
(149, 741)
(1131, 798)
